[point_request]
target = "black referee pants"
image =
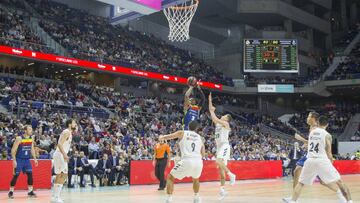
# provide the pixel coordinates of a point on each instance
(160, 171)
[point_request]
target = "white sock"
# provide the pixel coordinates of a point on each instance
(57, 190)
(31, 188)
(339, 193)
(222, 188)
(230, 174)
(11, 189)
(169, 197)
(196, 195)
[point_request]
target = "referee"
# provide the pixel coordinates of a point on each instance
(161, 159)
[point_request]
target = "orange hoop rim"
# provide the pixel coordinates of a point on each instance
(185, 7)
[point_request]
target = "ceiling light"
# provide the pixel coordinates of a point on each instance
(30, 64)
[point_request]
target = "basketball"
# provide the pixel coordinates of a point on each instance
(192, 81)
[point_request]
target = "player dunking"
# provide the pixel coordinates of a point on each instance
(60, 159)
(222, 132)
(312, 121)
(21, 153)
(319, 162)
(191, 107)
(192, 150)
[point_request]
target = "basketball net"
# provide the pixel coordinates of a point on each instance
(179, 18)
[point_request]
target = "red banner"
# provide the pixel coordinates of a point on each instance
(143, 172)
(101, 67)
(41, 175)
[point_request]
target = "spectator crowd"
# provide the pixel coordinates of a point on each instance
(93, 38)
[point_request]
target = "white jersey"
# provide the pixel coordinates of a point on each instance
(190, 145)
(221, 135)
(67, 143)
(317, 143)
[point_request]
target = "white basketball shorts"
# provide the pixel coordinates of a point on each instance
(187, 167)
(60, 166)
(318, 167)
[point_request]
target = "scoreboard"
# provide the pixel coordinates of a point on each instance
(272, 56)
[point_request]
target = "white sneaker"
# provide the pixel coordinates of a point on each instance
(232, 179)
(197, 199)
(342, 199)
(288, 200)
(222, 194)
(56, 200)
(53, 199)
(168, 200)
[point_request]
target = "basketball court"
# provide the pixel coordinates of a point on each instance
(264, 191)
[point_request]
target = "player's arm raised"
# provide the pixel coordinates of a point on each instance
(328, 142)
(33, 153)
(14, 150)
(214, 118)
(179, 134)
(203, 98)
(187, 98)
(61, 143)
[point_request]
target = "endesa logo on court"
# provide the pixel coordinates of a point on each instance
(97, 66)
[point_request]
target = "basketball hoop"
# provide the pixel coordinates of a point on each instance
(179, 18)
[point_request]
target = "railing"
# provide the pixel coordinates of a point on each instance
(25, 45)
(29, 78)
(25, 105)
(348, 76)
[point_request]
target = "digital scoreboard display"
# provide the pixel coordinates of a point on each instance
(271, 56)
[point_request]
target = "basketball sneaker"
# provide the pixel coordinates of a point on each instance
(168, 199)
(197, 199)
(288, 200)
(11, 195)
(32, 194)
(222, 194)
(56, 200)
(232, 178)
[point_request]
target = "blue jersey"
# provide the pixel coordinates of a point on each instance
(192, 114)
(302, 160)
(24, 149)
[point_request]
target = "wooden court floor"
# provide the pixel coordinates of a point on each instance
(258, 191)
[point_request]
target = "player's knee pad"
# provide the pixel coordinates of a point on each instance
(13, 180)
(30, 178)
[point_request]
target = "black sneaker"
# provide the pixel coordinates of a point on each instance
(11, 195)
(32, 194)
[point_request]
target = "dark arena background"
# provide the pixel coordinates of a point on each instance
(120, 69)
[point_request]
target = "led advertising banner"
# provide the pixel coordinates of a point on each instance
(98, 66)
